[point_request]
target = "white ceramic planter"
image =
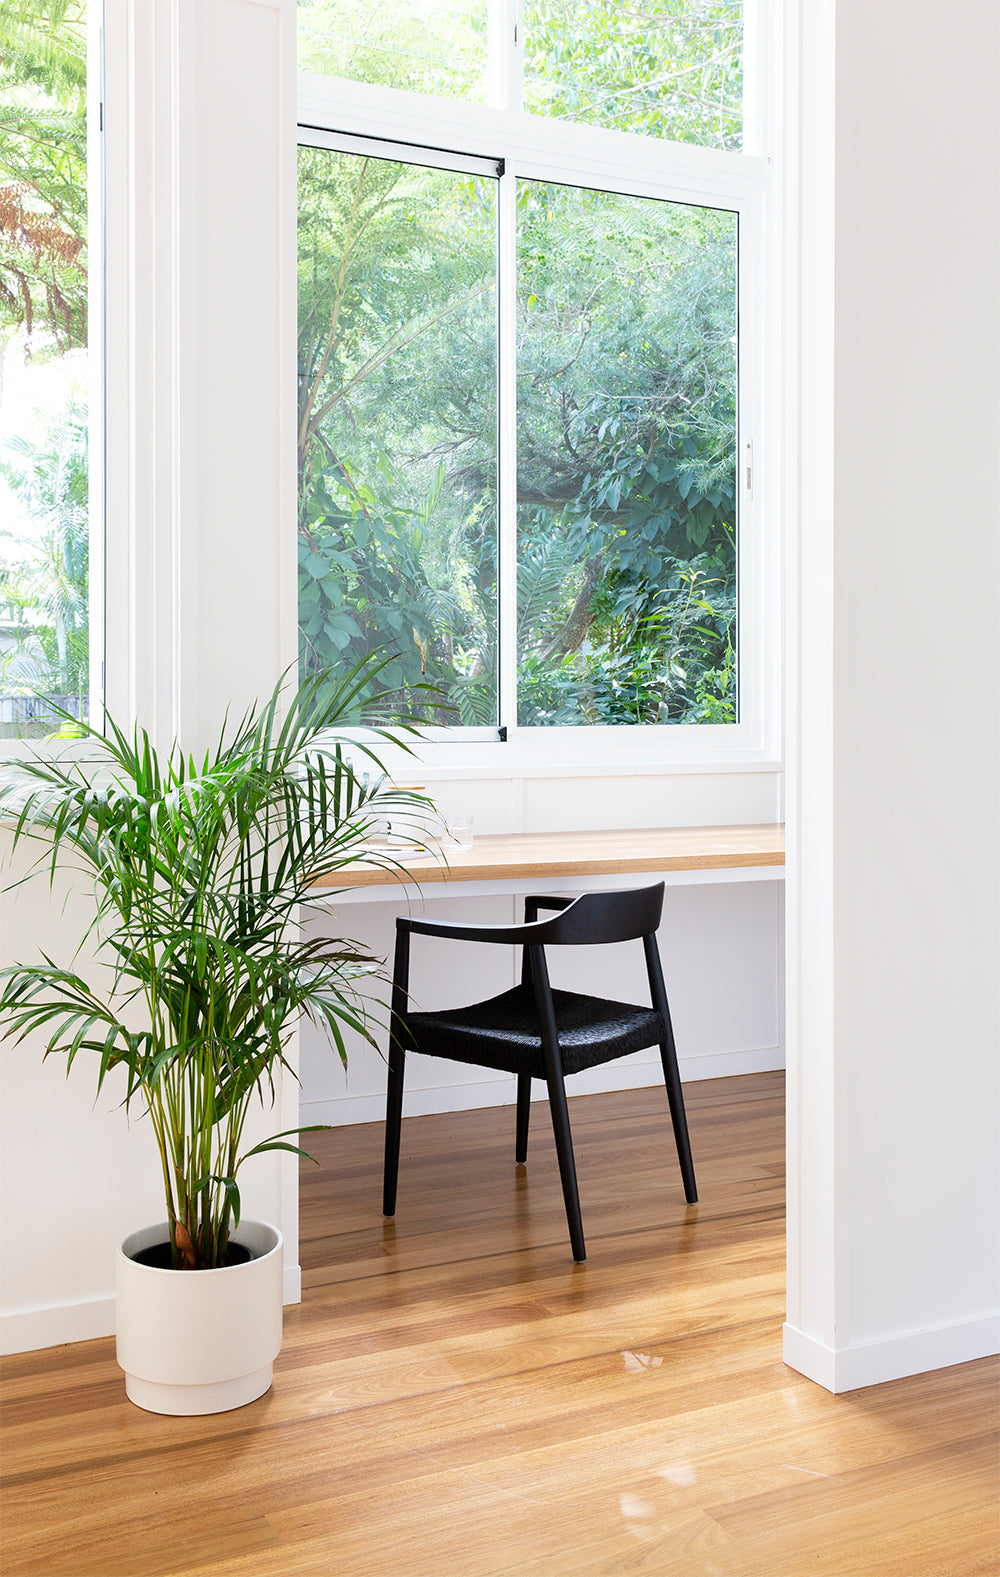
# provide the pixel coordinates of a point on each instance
(199, 1341)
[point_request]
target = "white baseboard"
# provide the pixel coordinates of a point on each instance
(26, 1330)
(730, 1064)
(343, 1110)
(893, 1357)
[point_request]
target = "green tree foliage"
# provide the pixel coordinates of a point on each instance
(44, 646)
(43, 183)
(627, 412)
(665, 68)
(626, 424)
(45, 577)
(396, 421)
(626, 395)
(424, 48)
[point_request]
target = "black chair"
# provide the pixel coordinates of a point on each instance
(539, 1033)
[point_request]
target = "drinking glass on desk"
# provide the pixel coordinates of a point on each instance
(459, 832)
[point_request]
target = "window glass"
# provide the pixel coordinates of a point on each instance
(44, 517)
(397, 426)
(665, 68)
(626, 459)
(413, 44)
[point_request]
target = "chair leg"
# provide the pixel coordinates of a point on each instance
(675, 1095)
(554, 1079)
(567, 1166)
(523, 1117)
(397, 1066)
(393, 1119)
(671, 1076)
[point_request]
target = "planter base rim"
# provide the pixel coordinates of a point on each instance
(188, 1401)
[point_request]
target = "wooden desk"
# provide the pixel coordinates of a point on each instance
(570, 860)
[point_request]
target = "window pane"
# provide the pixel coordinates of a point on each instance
(666, 68)
(397, 426)
(44, 517)
(626, 459)
(413, 44)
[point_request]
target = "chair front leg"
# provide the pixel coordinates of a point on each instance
(671, 1073)
(672, 1080)
(397, 1068)
(557, 1102)
(393, 1122)
(523, 1117)
(567, 1164)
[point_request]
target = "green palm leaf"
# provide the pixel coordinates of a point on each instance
(199, 872)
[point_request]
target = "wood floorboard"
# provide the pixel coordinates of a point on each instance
(456, 1399)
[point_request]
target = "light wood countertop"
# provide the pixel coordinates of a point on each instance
(513, 856)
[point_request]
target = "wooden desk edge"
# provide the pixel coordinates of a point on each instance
(464, 867)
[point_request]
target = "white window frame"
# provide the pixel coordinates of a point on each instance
(538, 148)
(96, 311)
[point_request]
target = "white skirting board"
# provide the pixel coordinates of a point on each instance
(501, 1089)
(892, 1357)
(26, 1330)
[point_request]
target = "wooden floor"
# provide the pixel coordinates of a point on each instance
(456, 1399)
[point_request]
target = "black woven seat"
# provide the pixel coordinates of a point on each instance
(537, 1033)
(504, 1032)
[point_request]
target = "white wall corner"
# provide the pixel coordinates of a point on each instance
(892, 847)
(893, 1357)
(291, 1286)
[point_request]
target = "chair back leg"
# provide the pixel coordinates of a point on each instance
(523, 1117)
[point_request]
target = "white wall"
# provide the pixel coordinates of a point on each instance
(894, 831)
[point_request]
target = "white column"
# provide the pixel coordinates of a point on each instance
(200, 119)
(199, 111)
(894, 933)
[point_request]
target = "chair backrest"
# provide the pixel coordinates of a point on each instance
(607, 917)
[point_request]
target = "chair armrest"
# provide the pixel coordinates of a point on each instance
(518, 935)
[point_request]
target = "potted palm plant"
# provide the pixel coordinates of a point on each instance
(200, 870)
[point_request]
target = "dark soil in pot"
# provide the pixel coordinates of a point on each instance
(158, 1256)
